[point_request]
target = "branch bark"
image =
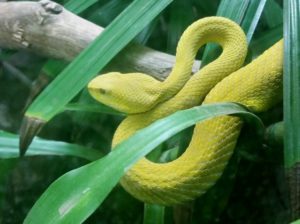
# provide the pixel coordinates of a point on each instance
(46, 28)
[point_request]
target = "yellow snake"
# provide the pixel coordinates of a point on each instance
(257, 85)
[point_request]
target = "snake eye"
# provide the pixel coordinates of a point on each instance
(102, 91)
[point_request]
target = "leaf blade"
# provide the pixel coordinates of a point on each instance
(76, 203)
(291, 80)
(246, 13)
(9, 148)
(291, 103)
(123, 29)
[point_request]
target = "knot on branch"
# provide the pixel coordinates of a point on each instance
(51, 7)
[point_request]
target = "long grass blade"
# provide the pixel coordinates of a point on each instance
(178, 22)
(246, 13)
(296, 222)
(9, 148)
(84, 67)
(106, 13)
(291, 101)
(292, 81)
(123, 29)
(273, 13)
(75, 195)
(252, 17)
(78, 6)
(266, 39)
(234, 10)
(53, 67)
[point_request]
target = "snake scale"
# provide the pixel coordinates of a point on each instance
(257, 85)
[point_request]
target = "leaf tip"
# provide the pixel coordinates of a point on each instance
(29, 129)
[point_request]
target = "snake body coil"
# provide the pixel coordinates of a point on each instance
(257, 85)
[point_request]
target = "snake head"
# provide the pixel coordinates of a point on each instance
(129, 93)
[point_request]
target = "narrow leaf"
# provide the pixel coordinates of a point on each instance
(296, 222)
(53, 67)
(252, 17)
(246, 13)
(106, 13)
(178, 22)
(9, 148)
(291, 82)
(291, 102)
(78, 6)
(75, 195)
(266, 39)
(123, 29)
(273, 13)
(233, 9)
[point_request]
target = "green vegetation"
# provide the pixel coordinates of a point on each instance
(66, 175)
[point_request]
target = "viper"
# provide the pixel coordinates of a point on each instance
(258, 86)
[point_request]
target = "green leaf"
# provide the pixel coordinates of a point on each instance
(106, 13)
(153, 214)
(273, 13)
(246, 13)
(233, 9)
(119, 33)
(206, 8)
(252, 17)
(76, 194)
(53, 67)
(9, 148)
(291, 102)
(178, 22)
(291, 82)
(78, 6)
(143, 37)
(296, 222)
(266, 39)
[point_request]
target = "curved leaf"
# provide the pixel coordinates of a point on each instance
(92, 59)
(9, 148)
(76, 194)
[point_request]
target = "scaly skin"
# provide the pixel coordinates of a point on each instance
(136, 93)
(257, 85)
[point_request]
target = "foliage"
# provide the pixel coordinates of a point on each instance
(252, 188)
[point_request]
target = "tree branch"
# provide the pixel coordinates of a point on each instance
(46, 28)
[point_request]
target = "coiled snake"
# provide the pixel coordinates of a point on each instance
(257, 85)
